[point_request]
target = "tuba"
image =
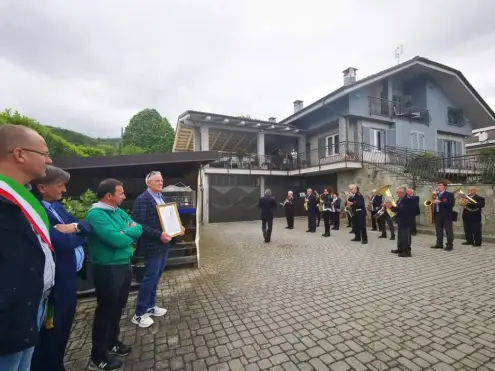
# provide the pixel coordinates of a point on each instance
(384, 191)
(429, 206)
(348, 209)
(463, 199)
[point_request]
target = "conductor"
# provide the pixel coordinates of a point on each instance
(268, 205)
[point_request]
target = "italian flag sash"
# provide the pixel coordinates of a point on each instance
(37, 217)
(29, 205)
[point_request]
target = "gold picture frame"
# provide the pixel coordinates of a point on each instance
(170, 219)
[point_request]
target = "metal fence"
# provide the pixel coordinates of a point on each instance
(423, 166)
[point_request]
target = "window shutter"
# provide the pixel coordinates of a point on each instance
(440, 145)
(336, 144)
(458, 148)
(414, 141)
(421, 142)
(391, 138)
(366, 138)
(382, 139)
(321, 147)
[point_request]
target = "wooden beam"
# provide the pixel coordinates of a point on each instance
(238, 143)
(215, 139)
(189, 139)
(226, 141)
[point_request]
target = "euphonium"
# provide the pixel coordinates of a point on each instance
(463, 199)
(384, 191)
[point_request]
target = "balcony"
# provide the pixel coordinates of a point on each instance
(250, 161)
(398, 110)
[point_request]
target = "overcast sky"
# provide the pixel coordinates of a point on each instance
(90, 65)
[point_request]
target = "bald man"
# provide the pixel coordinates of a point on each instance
(471, 218)
(27, 268)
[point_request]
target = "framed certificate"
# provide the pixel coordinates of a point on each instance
(170, 219)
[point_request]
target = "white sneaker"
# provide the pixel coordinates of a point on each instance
(156, 311)
(143, 321)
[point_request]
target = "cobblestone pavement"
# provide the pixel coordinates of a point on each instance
(304, 302)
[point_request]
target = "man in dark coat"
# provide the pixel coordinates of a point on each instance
(154, 246)
(289, 210)
(444, 216)
(471, 218)
(376, 204)
(268, 205)
(405, 217)
(358, 206)
(410, 193)
(27, 267)
(336, 213)
(312, 202)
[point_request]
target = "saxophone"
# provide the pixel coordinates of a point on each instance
(320, 205)
(306, 203)
(429, 206)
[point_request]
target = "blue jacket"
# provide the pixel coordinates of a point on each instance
(64, 245)
(144, 212)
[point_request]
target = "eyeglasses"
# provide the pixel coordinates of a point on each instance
(42, 153)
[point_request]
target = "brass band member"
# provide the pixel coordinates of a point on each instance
(289, 210)
(444, 216)
(336, 214)
(327, 210)
(384, 221)
(312, 210)
(406, 215)
(410, 193)
(358, 206)
(268, 205)
(349, 216)
(318, 215)
(471, 218)
(376, 204)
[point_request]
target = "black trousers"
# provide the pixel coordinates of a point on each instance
(312, 221)
(359, 225)
(318, 216)
(404, 239)
(349, 220)
(373, 220)
(266, 227)
(336, 220)
(414, 229)
(472, 232)
(326, 221)
(384, 221)
(441, 225)
(112, 286)
(290, 220)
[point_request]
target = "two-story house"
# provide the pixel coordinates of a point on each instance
(413, 107)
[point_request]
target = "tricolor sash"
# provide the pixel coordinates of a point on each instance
(29, 205)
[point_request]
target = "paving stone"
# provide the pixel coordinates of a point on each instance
(306, 302)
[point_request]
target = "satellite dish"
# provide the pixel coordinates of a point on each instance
(482, 136)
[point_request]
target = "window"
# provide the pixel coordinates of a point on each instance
(455, 116)
(377, 139)
(332, 145)
(417, 140)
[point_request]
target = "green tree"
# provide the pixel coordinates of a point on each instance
(149, 131)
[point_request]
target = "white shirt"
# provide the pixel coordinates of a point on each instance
(49, 271)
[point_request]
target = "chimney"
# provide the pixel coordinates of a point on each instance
(272, 119)
(298, 105)
(349, 75)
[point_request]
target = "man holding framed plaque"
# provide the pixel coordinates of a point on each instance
(161, 223)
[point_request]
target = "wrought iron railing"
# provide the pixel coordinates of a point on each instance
(422, 167)
(392, 109)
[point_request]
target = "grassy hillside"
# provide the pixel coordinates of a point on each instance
(81, 139)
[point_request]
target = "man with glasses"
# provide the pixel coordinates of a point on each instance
(153, 246)
(27, 267)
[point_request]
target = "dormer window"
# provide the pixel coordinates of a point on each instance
(455, 116)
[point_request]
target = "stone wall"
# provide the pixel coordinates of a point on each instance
(370, 178)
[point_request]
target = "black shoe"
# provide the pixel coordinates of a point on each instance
(477, 245)
(414, 233)
(467, 243)
(308, 231)
(436, 247)
(382, 236)
(267, 241)
(392, 238)
(374, 229)
(364, 242)
(404, 254)
(287, 227)
(105, 365)
(351, 232)
(449, 249)
(120, 349)
(356, 240)
(394, 251)
(333, 229)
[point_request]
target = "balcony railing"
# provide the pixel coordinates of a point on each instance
(406, 111)
(422, 167)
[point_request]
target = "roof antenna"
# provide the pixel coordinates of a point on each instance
(398, 52)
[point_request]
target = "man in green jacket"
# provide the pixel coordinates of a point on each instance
(111, 249)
